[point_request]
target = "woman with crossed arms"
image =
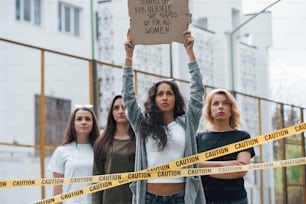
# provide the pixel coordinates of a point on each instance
(223, 120)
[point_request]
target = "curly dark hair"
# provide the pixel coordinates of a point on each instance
(153, 123)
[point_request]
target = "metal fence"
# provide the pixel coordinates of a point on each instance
(40, 88)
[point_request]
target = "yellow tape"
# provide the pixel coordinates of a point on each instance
(111, 180)
(144, 174)
(172, 174)
(261, 139)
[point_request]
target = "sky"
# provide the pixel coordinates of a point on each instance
(288, 51)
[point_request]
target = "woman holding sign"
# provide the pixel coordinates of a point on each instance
(165, 131)
(223, 119)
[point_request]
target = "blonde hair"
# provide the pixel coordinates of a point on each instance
(234, 121)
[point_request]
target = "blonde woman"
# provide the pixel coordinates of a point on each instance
(223, 120)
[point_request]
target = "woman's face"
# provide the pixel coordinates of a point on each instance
(83, 122)
(220, 107)
(165, 99)
(118, 111)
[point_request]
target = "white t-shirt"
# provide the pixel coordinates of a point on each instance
(173, 150)
(73, 160)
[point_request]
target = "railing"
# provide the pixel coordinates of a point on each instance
(37, 82)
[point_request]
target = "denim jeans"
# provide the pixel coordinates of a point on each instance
(241, 201)
(177, 198)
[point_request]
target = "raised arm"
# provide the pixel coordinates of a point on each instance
(188, 44)
(195, 103)
(129, 50)
(128, 91)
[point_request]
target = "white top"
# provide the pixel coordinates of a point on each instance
(73, 160)
(173, 150)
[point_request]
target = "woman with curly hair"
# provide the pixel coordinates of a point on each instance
(165, 131)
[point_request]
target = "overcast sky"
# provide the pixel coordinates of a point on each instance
(288, 51)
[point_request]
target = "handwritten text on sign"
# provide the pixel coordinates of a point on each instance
(158, 21)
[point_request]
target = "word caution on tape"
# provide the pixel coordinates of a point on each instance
(171, 169)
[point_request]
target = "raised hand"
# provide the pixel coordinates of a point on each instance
(129, 45)
(188, 44)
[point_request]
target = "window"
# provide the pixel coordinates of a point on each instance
(37, 12)
(57, 113)
(69, 19)
(28, 11)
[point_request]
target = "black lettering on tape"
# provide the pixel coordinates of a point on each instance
(140, 175)
(276, 134)
(247, 143)
(24, 183)
(300, 127)
(168, 173)
(196, 172)
(100, 186)
(216, 152)
(67, 196)
(160, 168)
(110, 177)
(2, 184)
(292, 161)
(263, 165)
(52, 181)
(229, 169)
(46, 201)
(188, 160)
(81, 180)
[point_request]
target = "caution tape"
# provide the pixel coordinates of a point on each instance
(172, 174)
(172, 166)
(214, 153)
(111, 180)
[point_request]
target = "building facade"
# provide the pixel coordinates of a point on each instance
(65, 35)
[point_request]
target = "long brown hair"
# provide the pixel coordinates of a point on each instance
(71, 135)
(105, 140)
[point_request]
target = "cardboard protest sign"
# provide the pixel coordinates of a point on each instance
(158, 21)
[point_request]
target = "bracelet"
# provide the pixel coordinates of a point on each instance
(129, 58)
